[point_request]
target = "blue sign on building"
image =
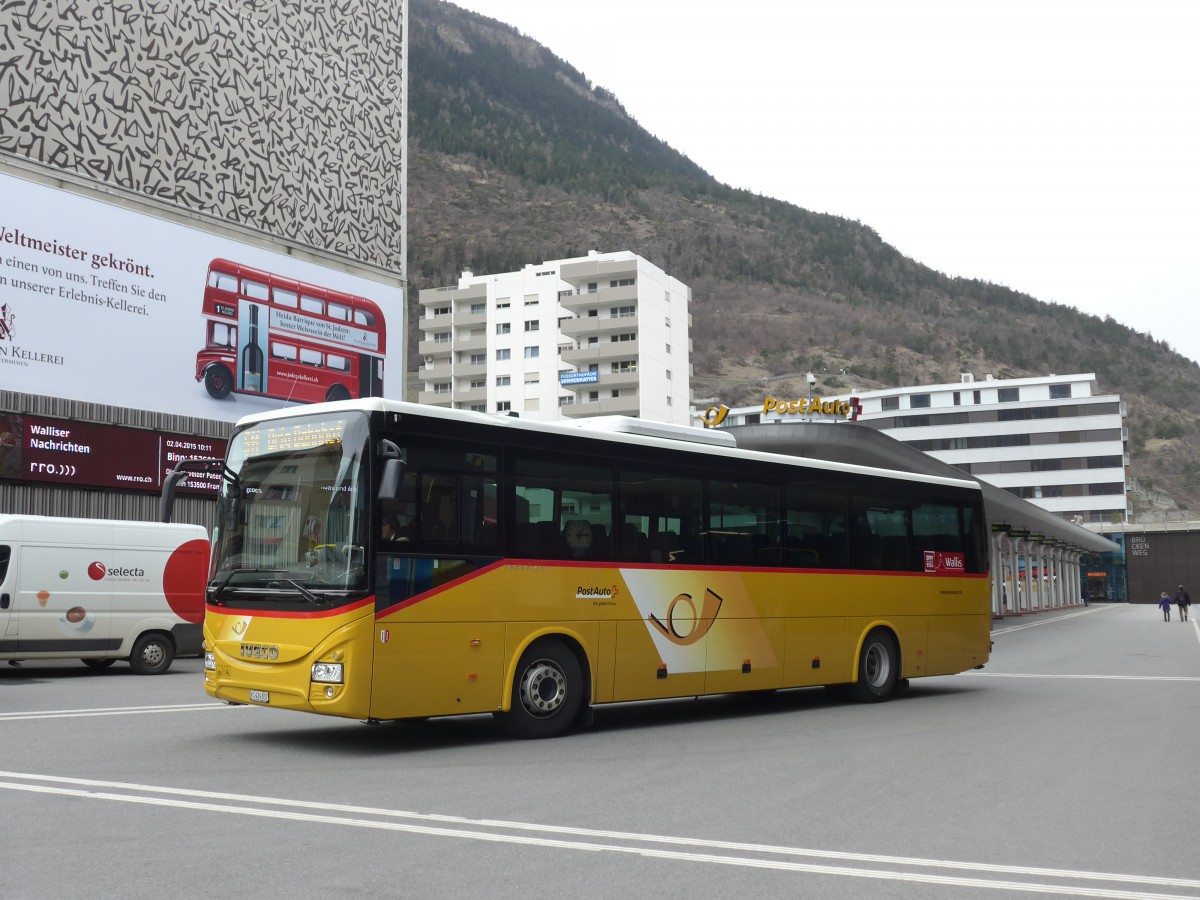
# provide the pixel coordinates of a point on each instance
(589, 377)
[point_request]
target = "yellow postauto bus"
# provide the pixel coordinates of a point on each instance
(380, 560)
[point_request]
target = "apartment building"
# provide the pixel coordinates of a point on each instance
(602, 334)
(1053, 440)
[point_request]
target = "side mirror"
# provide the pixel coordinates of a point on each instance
(393, 470)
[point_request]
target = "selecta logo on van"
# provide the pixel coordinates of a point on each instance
(98, 571)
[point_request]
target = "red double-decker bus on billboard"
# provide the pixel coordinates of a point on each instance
(277, 337)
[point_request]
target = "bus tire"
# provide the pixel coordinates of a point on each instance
(878, 668)
(152, 654)
(99, 663)
(218, 381)
(547, 691)
(337, 392)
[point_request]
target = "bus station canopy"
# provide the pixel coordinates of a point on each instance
(864, 446)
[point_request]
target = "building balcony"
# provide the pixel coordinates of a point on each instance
(583, 327)
(476, 342)
(435, 398)
(439, 371)
(469, 395)
(433, 348)
(609, 406)
(625, 295)
(603, 352)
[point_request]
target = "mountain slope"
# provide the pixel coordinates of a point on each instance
(515, 158)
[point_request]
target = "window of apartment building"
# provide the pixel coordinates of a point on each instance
(958, 398)
(503, 380)
(478, 383)
(593, 313)
(621, 338)
(442, 387)
(502, 355)
(625, 365)
(1060, 391)
(1112, 487)
(593, 286)
(441, 310)
(441, 337)
(616, 392)
(668, 374)
(593, 396)
(533, 352)
(1104, 462)
(620, 282)
(531, 301)
(533, 325)
(567, 401)
(977, 397)
(624, 312)
(593, 367)
(478, 407)
(478, 309)
(889, 403)
(504, 406)
(1008, 395)
(919, 401)
(503, 328)
(668, 349)
(478, 359)
(532, 378)
(502, 304)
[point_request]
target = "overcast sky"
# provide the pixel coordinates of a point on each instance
(1052, 146)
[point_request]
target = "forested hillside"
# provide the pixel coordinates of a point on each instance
(515, 157)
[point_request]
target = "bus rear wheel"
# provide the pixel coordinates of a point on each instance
(218, 381)
(878, 668)
(547, 691)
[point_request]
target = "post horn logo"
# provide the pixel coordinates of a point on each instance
(714, 415)
(700, 624)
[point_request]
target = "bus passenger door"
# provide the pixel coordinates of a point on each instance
(370, 376)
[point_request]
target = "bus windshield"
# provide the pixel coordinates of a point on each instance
(293, 512)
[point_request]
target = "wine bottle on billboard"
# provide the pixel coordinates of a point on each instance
(252, 357)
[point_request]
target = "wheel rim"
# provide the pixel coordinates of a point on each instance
(153, 655)
(878, 665)
(543, 688)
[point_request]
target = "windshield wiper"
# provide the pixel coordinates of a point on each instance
(219, 590)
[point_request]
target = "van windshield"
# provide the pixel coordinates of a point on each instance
(293, 512)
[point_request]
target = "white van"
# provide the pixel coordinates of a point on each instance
(101, 590)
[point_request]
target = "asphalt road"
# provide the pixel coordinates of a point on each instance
(1063, 768)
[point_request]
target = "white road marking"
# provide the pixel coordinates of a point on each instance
(114, 711)
(610, 841)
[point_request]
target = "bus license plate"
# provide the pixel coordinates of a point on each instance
(260, 697)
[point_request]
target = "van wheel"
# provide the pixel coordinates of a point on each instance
(152, 654)
(98, 663)
(878, 668)
(547, 692)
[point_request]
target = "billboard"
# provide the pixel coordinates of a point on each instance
(84, 454)
(103, 304)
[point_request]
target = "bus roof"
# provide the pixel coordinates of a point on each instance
(646, 434)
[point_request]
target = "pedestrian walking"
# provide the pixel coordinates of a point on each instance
(1164, 603)
(1183, 600)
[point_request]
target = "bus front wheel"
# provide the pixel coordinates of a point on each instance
(218, 381)
(547, 691)
(878, 668)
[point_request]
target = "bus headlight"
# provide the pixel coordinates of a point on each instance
(327, 672)
(210, 662)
